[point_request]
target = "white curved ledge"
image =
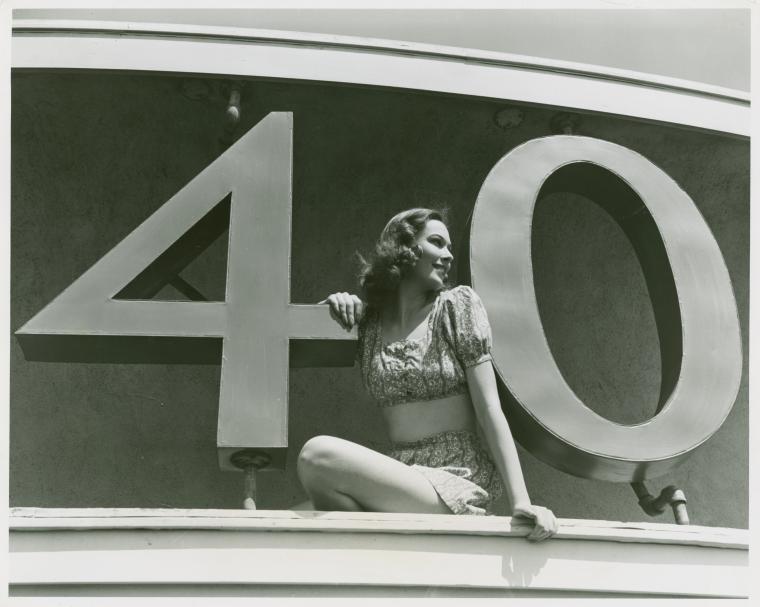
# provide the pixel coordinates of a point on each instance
(61, 44)
(28, 519)
(93, 551)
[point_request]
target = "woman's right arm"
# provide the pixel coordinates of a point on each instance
(345, 309)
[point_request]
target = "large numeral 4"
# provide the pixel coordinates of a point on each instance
(103, 315)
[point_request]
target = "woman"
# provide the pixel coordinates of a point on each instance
(424, 354)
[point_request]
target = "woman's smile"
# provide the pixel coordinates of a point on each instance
(435, 257)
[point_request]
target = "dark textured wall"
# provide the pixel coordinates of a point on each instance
(93, 155)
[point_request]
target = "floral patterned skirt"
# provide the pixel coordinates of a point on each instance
(458, 467)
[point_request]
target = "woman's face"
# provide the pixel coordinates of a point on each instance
(432, 268)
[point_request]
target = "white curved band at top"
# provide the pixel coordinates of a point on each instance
(127, 46)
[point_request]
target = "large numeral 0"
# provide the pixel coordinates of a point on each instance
(688, 283)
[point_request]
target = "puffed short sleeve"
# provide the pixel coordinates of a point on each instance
(467, 326)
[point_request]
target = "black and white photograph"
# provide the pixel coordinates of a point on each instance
(378, 301)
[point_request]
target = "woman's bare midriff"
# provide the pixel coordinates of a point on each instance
(412, 421)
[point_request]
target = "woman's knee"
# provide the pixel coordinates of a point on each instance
(318, 456)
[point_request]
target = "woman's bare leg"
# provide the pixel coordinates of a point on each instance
(341, 475)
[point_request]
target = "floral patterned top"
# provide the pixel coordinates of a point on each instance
(430, 367)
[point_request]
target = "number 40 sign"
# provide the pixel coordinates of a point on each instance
(107, 313)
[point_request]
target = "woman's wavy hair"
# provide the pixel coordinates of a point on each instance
(394, 254)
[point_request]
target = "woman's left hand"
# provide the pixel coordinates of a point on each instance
(545, 523)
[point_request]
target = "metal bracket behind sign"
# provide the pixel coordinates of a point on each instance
(98, 318)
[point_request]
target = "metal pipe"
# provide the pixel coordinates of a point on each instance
(249, 502)
(670, 496)
(233, 106)
(564, 123)
(250, 460)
